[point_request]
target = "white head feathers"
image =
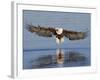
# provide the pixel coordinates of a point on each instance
(59, 30)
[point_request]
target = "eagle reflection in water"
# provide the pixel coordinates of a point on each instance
(60, 59)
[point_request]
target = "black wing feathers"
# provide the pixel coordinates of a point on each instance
(72, 35)
(49, 32)
(41, 31)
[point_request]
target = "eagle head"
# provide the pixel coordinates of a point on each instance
(59, 30)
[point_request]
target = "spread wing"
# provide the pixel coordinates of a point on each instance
(41, 31)
(73, 35)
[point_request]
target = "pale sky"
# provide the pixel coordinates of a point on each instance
(67, 20)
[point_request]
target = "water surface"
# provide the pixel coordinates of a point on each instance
(56, 58)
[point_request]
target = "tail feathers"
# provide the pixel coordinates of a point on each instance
(62, 40)
(59, 41)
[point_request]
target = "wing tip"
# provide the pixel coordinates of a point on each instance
(29, 27)
(86, 33)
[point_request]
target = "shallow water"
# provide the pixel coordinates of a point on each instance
(56, 58)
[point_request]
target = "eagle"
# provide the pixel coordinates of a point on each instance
(59, 33)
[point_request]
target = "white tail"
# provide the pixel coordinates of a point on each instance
(60, 40)
(57, 41)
